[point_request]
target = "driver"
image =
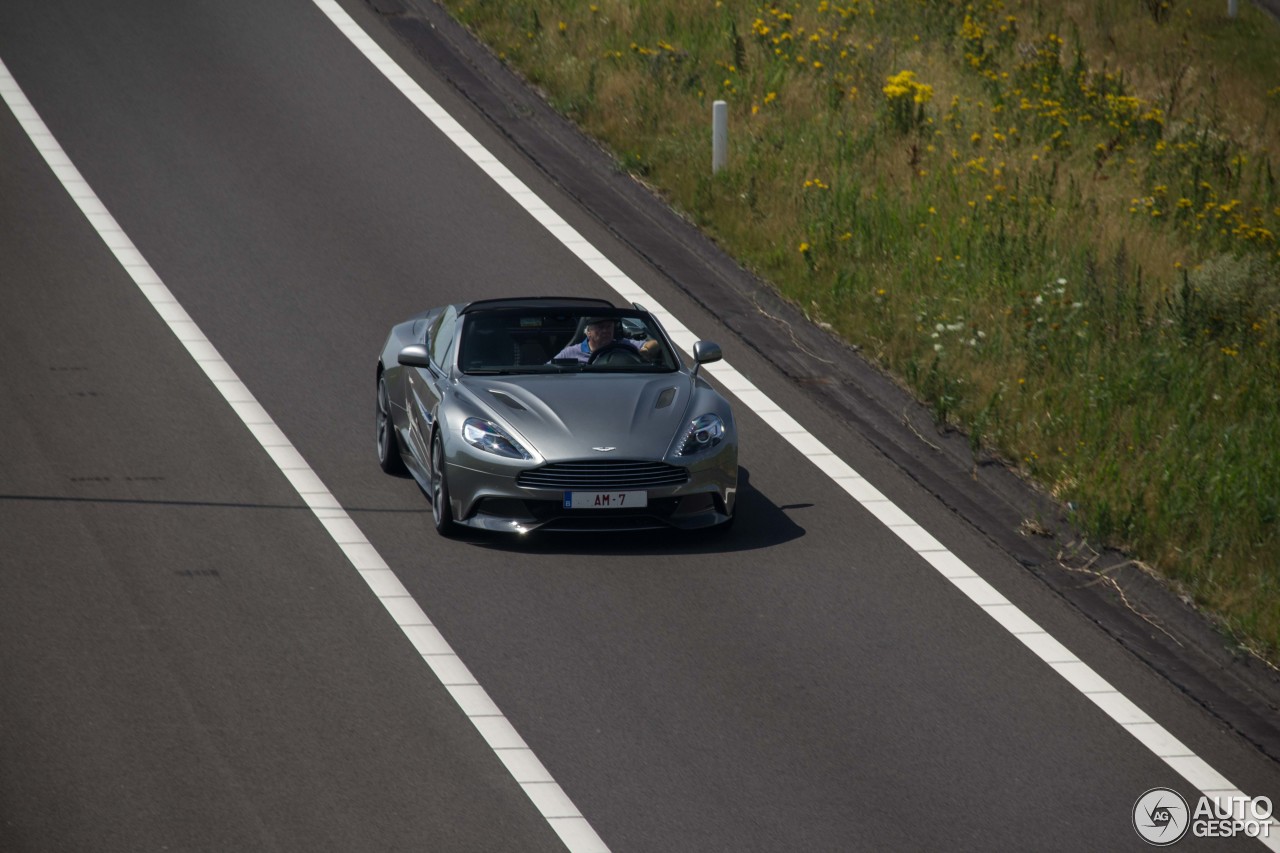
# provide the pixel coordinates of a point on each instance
(599, 334)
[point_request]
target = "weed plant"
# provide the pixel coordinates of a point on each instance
(1057, 222)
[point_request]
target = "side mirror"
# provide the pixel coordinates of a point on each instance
(414, 355)
(705, 352)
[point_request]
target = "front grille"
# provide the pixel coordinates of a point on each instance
(605, 475)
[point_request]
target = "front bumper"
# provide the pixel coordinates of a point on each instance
(486, 495)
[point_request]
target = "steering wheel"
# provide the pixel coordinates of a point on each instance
(607, 354)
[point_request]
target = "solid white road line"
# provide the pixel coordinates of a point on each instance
(1077, 673)
(524, 766)
(544, 792)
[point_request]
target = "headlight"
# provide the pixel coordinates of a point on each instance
(489, 437)
(704, 433)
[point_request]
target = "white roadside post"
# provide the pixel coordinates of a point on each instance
(719, 136)
(1233, 8)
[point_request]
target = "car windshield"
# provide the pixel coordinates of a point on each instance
(562, 341)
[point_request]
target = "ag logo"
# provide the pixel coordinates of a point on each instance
(1161, 816)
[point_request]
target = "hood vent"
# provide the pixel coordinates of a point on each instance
(507, 399)
(665, 398)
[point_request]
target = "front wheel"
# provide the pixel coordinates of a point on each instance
(441, 510)
(388, 445)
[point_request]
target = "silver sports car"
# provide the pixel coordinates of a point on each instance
(554, 413)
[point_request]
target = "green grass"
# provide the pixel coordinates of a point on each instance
(1060, 228)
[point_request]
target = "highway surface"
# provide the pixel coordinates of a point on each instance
(189, 659)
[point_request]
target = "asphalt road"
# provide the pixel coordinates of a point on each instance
(189, 662)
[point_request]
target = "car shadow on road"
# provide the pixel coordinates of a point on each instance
(758, 523)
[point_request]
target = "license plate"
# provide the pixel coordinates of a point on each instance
(605, 500)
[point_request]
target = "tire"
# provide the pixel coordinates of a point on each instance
(441, 509)
(388, 445)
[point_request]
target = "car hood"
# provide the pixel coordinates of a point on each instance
(573, 416)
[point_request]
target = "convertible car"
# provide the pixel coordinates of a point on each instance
(554, 414)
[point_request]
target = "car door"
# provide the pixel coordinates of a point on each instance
(427, 385)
